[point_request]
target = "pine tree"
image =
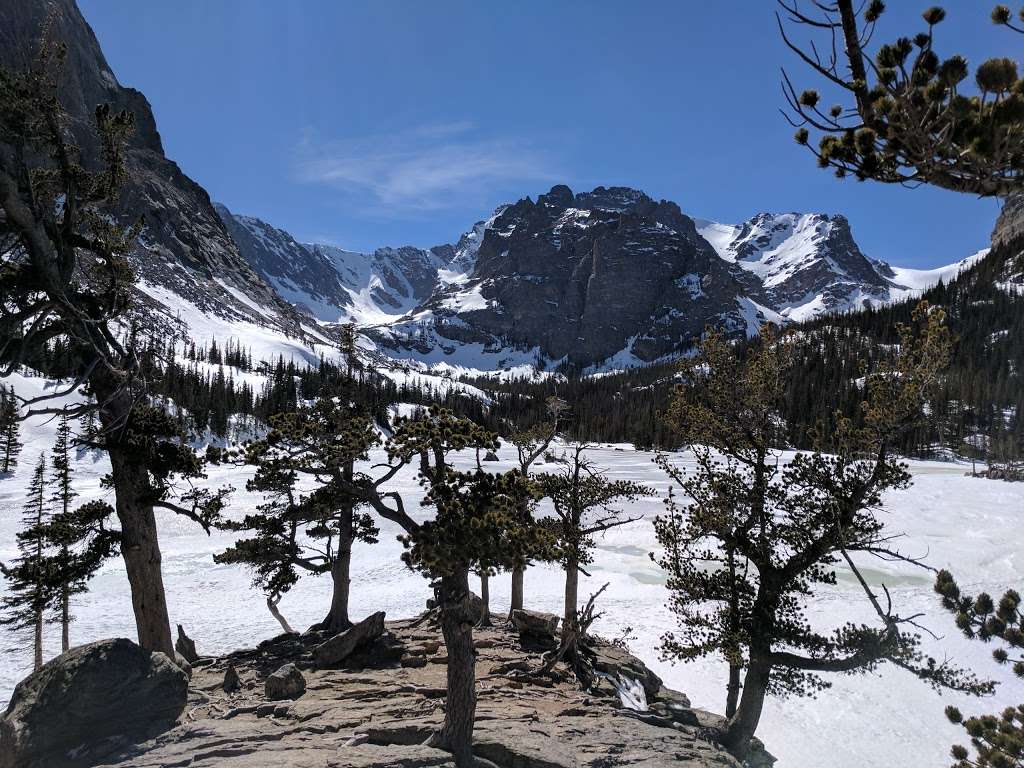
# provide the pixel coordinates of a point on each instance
(10, 445)
(62, 496)
(769, 535)
(480, 522)
(909, 118)
(322, 442)
(530, 445)
(68, 275)
(29, 596)
(585, 503)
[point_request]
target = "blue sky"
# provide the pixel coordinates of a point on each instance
(386, 122)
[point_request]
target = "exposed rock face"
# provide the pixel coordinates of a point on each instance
(331, 283)
(380, 715)
(184, 246)
(344, 644)
(589, 276)
(90, 700)
(612, 277)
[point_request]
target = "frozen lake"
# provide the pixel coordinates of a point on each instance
(969, 525)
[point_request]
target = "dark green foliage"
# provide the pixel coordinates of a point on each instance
(29, 594)
(479, 523)
(909, 119)
(10, 445)
(153, 441)
(998, 741)
(586, 505)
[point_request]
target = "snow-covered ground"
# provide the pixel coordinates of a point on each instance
(963, 523)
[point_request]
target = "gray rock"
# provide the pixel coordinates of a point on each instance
(342, 645)
(182, 662)
(491, 456)
(88, 701)
(614, 661)
(535, 623)
(286, 683)
(186, 646)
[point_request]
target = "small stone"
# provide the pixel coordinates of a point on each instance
(286, 683)
(491, 456)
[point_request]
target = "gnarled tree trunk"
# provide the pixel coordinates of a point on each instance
(140, 549)
(572, 589)
(456, 734)
(272, 601)
(65, 619)
(743, 723)
(337, 618)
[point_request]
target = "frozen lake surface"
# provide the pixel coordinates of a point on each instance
(968, 525)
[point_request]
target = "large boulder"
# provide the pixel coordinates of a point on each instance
(88, 701)
(286, 683)
(342, 645)
(535, 623)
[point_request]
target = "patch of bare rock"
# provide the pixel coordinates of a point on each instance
(371, 699)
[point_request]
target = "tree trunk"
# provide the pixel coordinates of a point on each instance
(743, 723)
(732, 690)
(485, 599)
(65, 619)
(337, 619)
(572, 588)
(272, 607)
(456, 734)
(141, 551)
(517, 588)
(38, 641)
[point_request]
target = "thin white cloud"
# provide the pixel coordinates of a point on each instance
(421, 169)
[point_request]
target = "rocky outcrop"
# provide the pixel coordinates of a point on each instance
(89, 701)
(381, 712)
(585, 277)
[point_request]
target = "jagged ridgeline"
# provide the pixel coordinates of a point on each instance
(978, 407)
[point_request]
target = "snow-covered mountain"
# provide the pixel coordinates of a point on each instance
(598, 279)
(802, 265)
(335, 285)
(593, 280)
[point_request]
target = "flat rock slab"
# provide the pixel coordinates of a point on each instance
(379, 716)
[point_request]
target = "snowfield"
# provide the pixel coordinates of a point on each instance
(968, 525)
